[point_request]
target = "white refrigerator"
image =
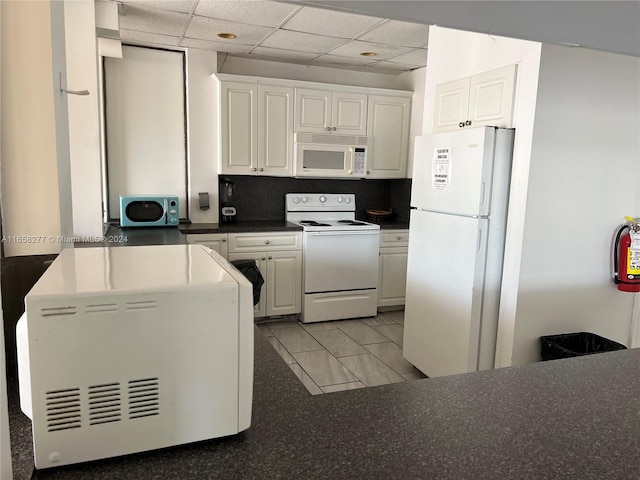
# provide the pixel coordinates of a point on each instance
(457, 228)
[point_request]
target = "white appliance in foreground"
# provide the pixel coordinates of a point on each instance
(457, 227)
(340, 260)
(127, 349)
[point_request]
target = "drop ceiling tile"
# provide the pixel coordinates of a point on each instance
(399, 33)
(354, 48)
(256, 12)
(148, 38)
(387, 65)
(417, 57)
(279, 53)
(174, 5)
(343, 60)
(305, 42)
(330, 23)
(205, 28)
(215, 46)
(153, 21)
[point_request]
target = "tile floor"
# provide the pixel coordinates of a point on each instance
(343, 354)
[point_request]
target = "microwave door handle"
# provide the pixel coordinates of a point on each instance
(166, 212)
(351, 154)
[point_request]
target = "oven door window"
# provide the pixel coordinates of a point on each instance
(340, 260)
(144, 211)
(324, 160)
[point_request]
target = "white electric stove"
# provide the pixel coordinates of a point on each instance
(340, 256)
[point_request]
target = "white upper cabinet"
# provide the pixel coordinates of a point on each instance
(388, 132)
(483, 99)
(238, 127)
(322, 111)
(275, 130)
(256, 129)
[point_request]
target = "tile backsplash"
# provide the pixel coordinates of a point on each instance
(262, 198)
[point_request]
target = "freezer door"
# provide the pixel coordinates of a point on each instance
(447, 256)
(452, 171)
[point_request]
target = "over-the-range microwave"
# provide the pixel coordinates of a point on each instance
(149, 211)
(330, 156)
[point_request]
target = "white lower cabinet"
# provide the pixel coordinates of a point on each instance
(215, 241)
(278, 256)
(392, 267)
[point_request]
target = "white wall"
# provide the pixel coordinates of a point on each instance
(583, 180)
(83, 117)
(291, 71)
(414, 81)
(29, 168)
(454, 54)
(202, 114)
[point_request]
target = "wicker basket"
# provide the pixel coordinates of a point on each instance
(378, 215)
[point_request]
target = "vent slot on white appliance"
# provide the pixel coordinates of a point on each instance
(144, 398)
(105, 403)
(63, 409)
(56, 311)
(328, 139)
(101, 308)
(141, 305)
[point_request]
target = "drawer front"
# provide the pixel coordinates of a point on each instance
(268, 241)
(394, 238)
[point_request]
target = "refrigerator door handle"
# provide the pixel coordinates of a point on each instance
(479, 242)
(482, 192)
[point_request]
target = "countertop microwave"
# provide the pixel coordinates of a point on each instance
(330, 155)
(149, 211)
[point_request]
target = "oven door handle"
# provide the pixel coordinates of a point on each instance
(343, 232)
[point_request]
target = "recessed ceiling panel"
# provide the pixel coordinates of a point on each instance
(330, 23)
(399, 33)
(153, 21)
(288, 54)
(417, 57)
(355, 48)
(255, 12)
(304, 42)
(208, 28)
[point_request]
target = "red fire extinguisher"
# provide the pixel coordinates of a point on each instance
(626, 257)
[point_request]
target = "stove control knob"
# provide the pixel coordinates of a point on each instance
(347, 200)
(296, 200)
(323, 199)
(305, 199)
(340, 199)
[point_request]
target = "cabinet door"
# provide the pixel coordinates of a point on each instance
(238, 127)
(275, 130)
(348, 113)
(284, 283)
(392, 276)
(388, 131)
(215, 241)
(313, 110)
(491, 97)
(260, 309)
(451, 105)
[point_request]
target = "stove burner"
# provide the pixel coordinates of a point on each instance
(351, 222)
(313, 223)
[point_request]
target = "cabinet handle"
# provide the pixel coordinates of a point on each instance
(333, 129)
(461, 124)
(254, 169)
(270, 257)
(224, 239)
(368, 172)
(398, 238)
(467, 123)
(261, 169)
(267, 242)
(328, 129)
(263, 258)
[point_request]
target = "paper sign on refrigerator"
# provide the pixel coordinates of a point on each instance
(441, 168)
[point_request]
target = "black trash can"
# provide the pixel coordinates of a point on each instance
(568, 345)
(250, 270)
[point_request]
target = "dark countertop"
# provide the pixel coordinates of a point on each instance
(577, 418)
(239, 227)
(117, 236)
(394, 225)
